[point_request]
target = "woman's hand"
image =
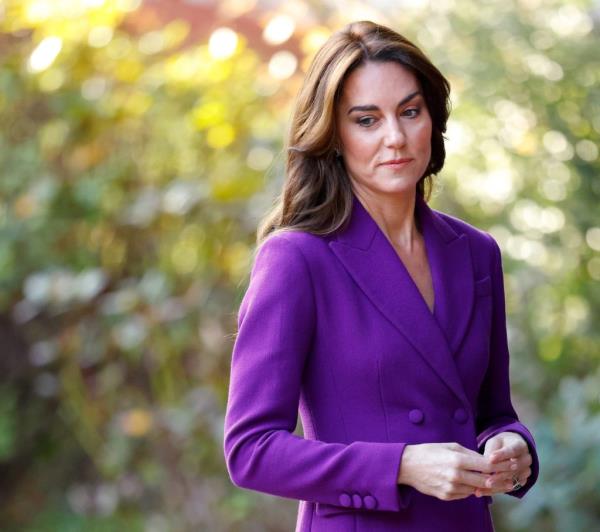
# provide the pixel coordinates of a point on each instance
(450, 471)
(509, 450)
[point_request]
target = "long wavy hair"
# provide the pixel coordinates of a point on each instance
(317, 194)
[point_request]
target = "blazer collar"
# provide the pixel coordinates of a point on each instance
(373, 263)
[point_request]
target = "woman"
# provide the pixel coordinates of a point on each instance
(380, 319)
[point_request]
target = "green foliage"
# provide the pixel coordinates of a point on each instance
(8, 421)
(123, 242)
(568, 436)
(67, 521)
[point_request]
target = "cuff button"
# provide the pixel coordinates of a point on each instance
(416, 416)
(460, 415)
(345, 500)
(370, 502)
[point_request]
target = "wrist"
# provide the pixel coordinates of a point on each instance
(406, 465)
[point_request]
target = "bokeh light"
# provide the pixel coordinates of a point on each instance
(222, 43)
(44, 54)
(279, 29)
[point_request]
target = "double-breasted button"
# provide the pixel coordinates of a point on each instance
(460, 415)
(357, 501)
(370, 502)
(416, 416)
(345, 500)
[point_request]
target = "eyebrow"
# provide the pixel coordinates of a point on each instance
(375, 108)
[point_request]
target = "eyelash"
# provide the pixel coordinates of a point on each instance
(362, 124)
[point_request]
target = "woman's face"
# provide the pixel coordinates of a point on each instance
(382, 117)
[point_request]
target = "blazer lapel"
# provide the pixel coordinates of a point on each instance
(375, 266)
(452, 273)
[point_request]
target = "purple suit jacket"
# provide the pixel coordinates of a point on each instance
(335, 328)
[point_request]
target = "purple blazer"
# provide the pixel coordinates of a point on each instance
(335, 328)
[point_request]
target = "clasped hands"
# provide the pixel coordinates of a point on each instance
(450, 471)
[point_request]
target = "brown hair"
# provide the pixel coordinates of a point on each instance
(317, 194)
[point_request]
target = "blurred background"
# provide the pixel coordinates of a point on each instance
(140, 142)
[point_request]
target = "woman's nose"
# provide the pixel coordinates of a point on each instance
(394, 134)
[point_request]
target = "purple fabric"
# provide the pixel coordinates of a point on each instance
(335, 328)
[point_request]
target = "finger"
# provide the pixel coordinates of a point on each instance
(503, 482)
(484, 492)
(501, 467)
(517, 485)
(457, 491)
(473, 461)
(490, 492)
(521, 462)
(525, 460)
(523, 475)
(491, 446)
(502, 487)
(497, 480)
(472, 479)
(513, 483)
(514, 450)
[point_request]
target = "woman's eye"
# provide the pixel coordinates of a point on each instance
(365, 121)
(413, 112)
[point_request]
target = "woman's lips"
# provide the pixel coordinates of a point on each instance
(396, 164)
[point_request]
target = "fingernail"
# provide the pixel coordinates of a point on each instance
(514, 467)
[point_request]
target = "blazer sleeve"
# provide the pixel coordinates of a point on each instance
(276, 325)
(495, 412)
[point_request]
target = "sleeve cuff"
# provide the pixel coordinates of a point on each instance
(393, 497)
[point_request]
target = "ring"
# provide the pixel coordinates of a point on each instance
(515, 483)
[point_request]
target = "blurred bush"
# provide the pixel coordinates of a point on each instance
(127, 163)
